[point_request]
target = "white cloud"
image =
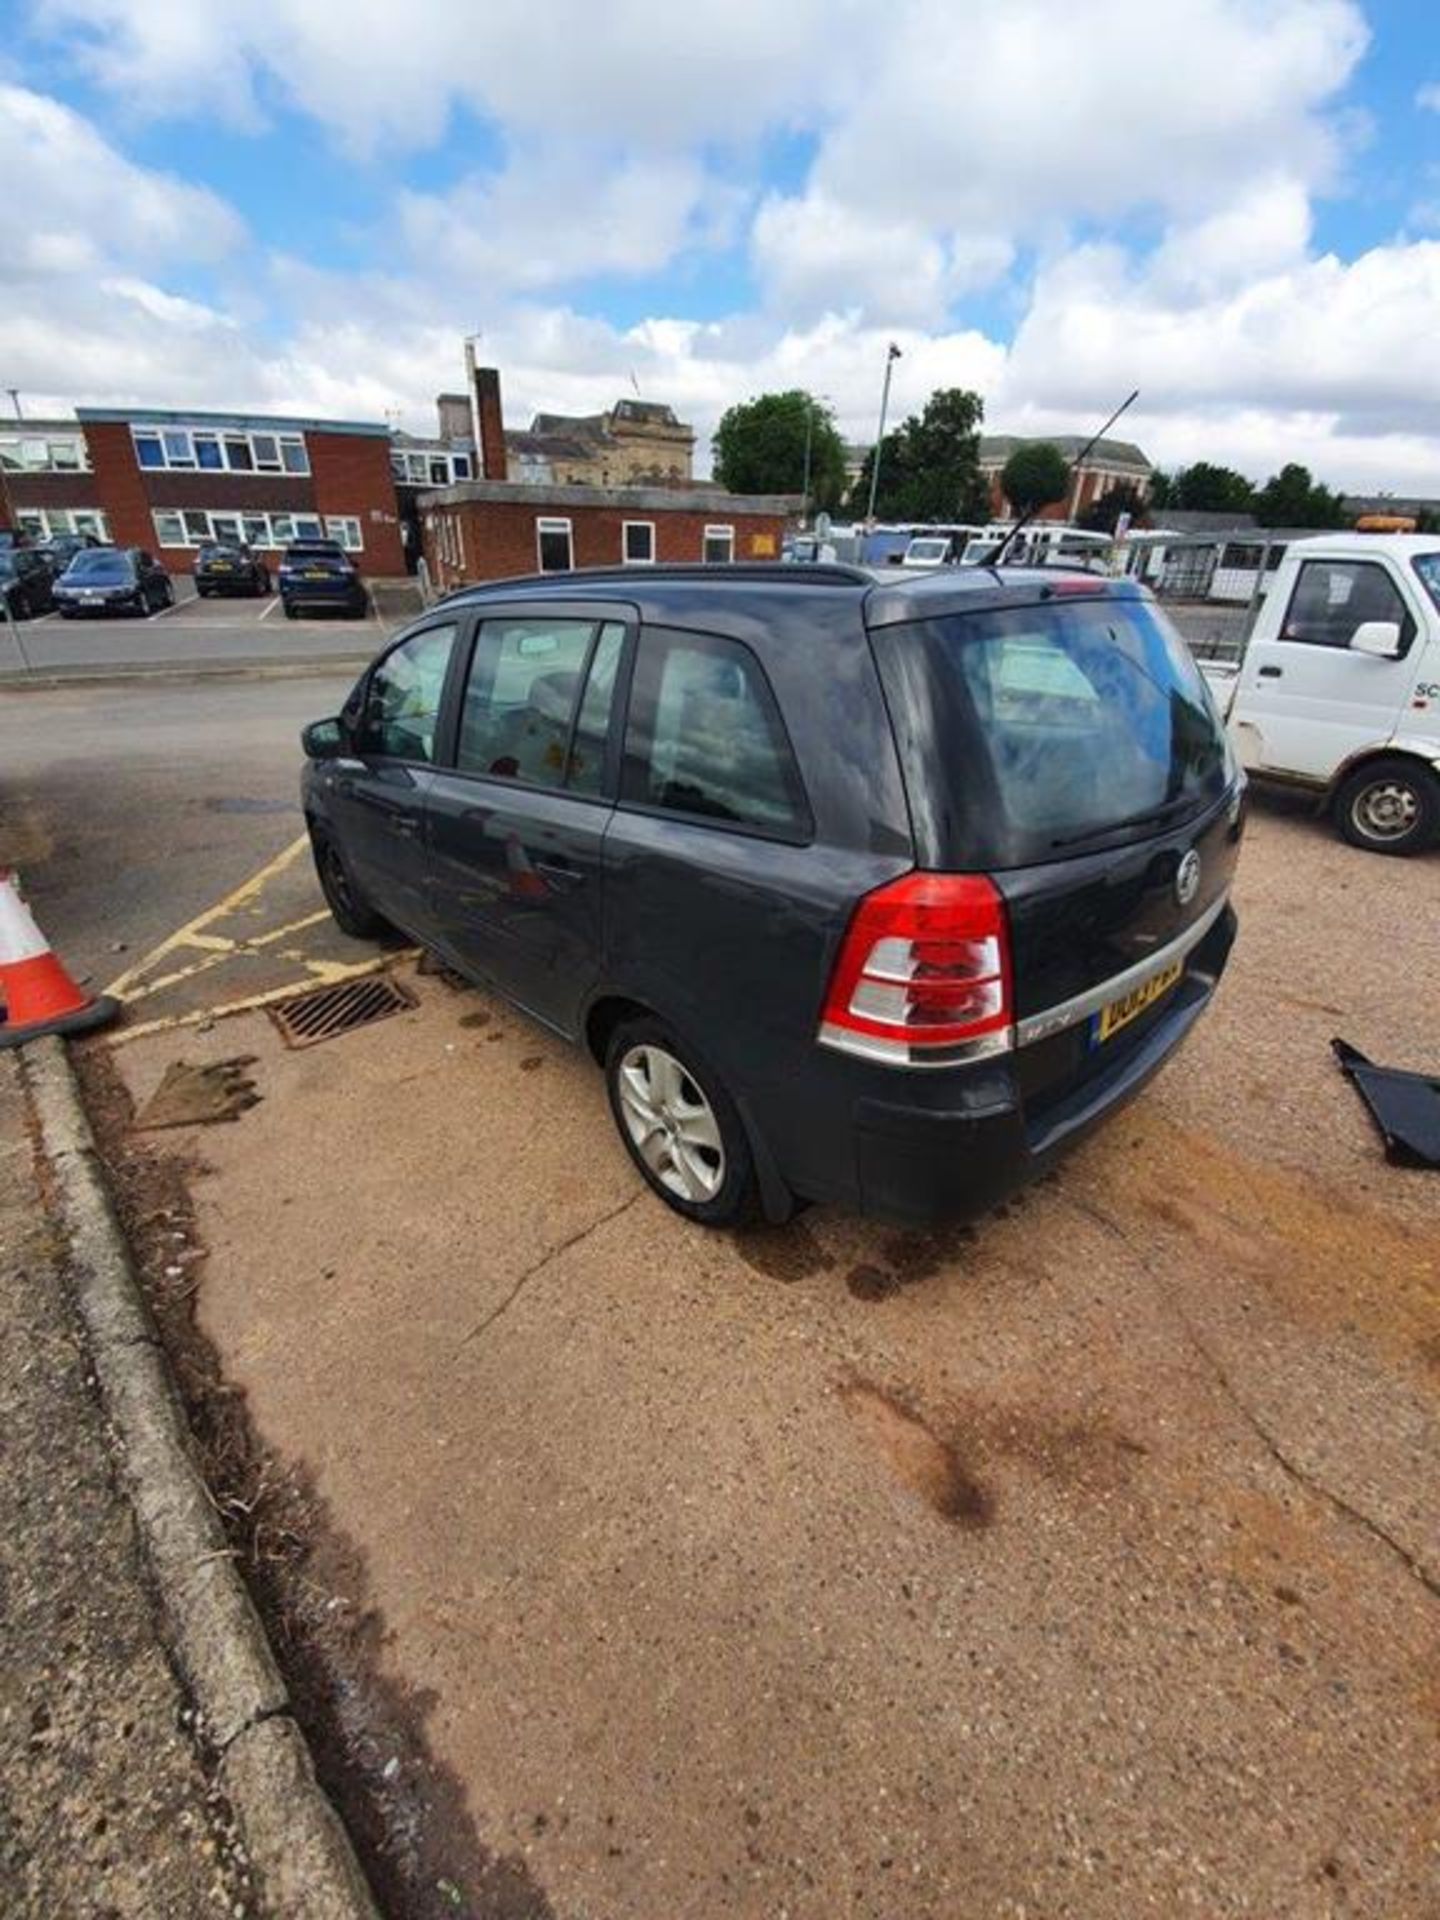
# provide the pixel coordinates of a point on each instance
(1428, 96)
(71, 199)
(813, 253)
(554, 215)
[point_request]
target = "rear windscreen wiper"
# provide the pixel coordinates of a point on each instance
(1151, 819)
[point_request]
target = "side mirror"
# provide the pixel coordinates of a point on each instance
(1379, 638)
(323, 739)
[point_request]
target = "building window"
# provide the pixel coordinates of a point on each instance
(346, 529)
(44, 523)
(184, 449)
(195, 527)
(554, 546)
(35, 453)
(461, 463)
(719, 548)
(639, 543)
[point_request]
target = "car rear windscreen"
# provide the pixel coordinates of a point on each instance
(1028, 733)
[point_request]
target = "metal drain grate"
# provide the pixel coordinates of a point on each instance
(328, 1011)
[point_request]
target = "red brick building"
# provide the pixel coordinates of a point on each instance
(46, 483)
(171, 481)
(491, 529)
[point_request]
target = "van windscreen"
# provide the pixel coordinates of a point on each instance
(1030, 732)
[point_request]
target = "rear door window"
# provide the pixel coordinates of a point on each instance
(705, 738)
(403, 696)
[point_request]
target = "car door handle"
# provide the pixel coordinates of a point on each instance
(560, 874)
(407, 828)
(1271, 673)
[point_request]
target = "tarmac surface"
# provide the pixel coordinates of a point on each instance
(107, 1807)
(1084, 1565)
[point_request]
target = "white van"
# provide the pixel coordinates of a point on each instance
(1339, 686)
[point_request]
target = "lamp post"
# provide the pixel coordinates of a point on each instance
(890, 358)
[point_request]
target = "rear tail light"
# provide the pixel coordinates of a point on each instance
(923, 977)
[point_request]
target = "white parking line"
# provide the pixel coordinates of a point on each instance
(174, 606)
(267, 610)
(39, 619)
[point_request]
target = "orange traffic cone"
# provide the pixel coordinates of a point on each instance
(37, 995)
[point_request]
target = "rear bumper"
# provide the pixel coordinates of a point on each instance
(953, 1145)
(348, 599)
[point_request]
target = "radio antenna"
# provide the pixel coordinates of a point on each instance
(1095, 438)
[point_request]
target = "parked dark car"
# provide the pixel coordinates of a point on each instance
(876, 894)
(319, 573)
(230, 568)
(113, 580)
(26, 582)
(61, 548)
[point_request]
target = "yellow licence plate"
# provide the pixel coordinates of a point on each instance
(1131, 1005)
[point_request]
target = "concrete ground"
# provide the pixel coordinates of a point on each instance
(106, 1807)
(1086, 1565)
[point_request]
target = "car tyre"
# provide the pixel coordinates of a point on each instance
(1390, 806)
(292, 612)
(680, 1126)
(349, 908)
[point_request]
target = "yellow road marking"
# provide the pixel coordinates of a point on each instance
(327, 972)
(193, 934)
(228, 949)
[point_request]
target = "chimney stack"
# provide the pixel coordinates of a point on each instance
(492, 425)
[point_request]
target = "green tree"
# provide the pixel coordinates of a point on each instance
(1101, 515)
(760, 447)
(1292, 499)
(1204, 488)
(1036, 475)
(1162, 490)
(1427, 520)
(930, 464)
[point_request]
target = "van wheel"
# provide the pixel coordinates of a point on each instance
(1390, 806)
(680, 1126)
(349, 908)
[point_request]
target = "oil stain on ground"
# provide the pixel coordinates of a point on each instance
(787, 1253)
(919, 1458)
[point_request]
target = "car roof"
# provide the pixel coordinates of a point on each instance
(734, 598)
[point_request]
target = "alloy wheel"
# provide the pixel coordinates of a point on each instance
(671, 1123)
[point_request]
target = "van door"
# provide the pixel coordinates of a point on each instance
(1307, 701)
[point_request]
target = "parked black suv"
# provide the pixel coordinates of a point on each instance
(879, 894)
(26, 582)
(227, 567)
(319, 573)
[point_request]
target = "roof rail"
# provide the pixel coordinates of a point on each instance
(778, 573)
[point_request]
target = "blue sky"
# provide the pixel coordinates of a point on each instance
(1234, 204)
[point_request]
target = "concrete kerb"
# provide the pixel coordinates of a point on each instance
(302, 1857)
